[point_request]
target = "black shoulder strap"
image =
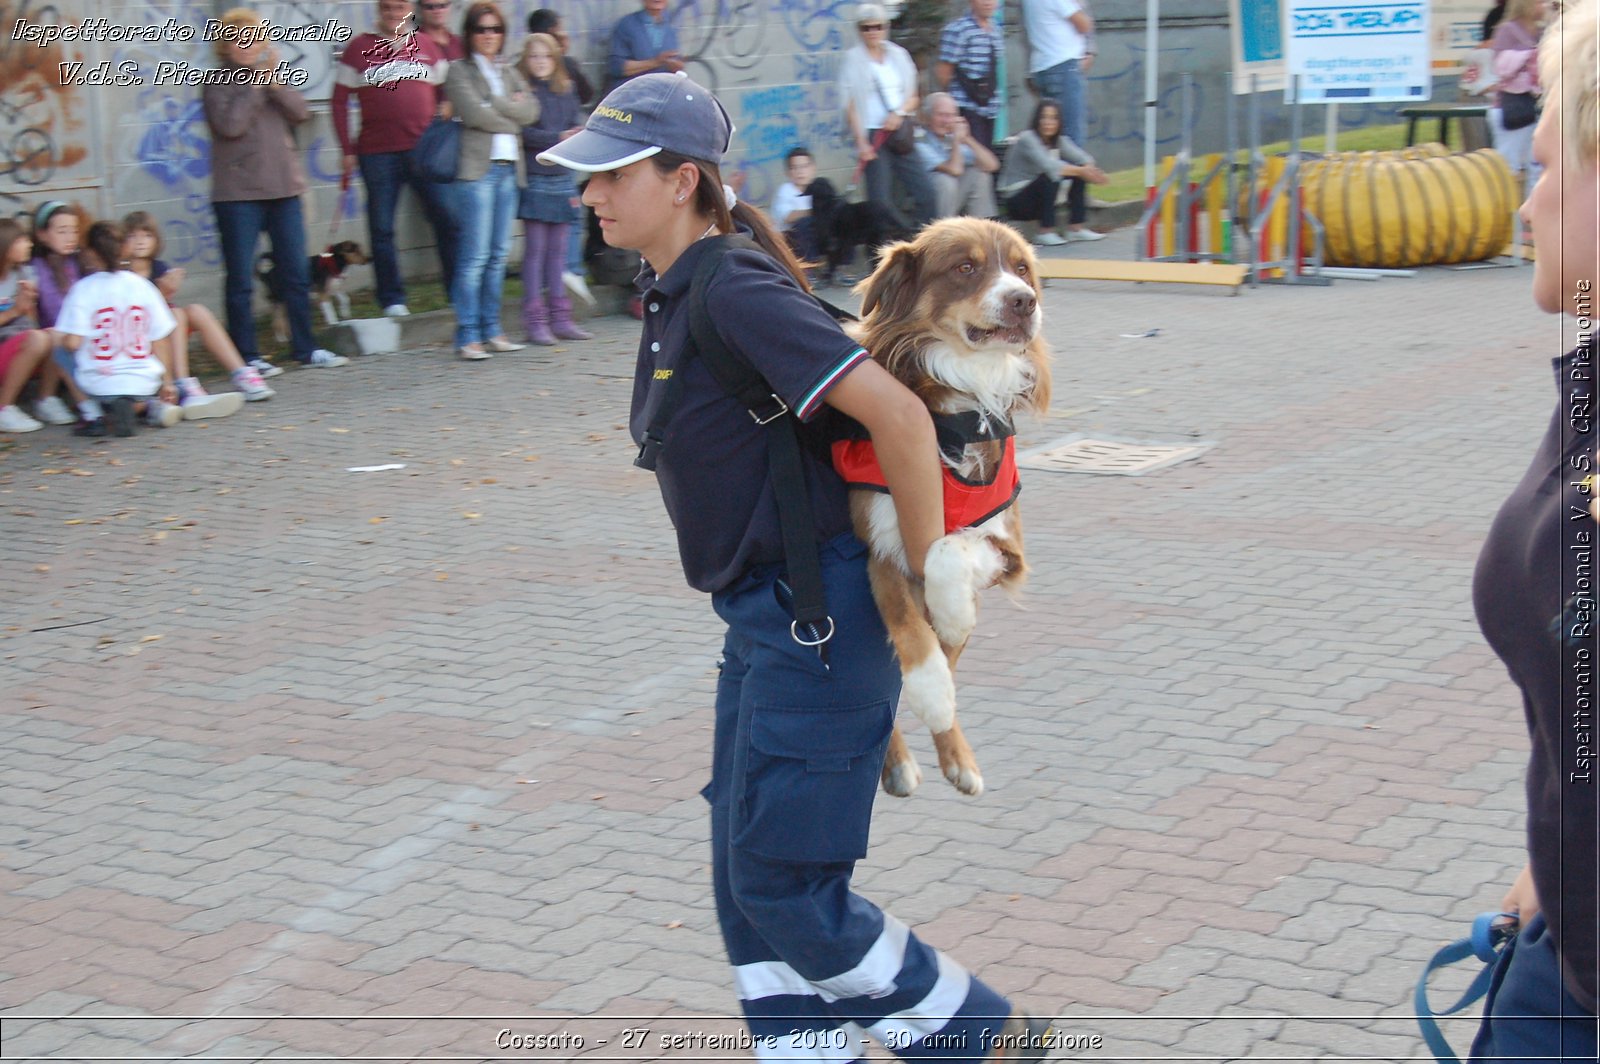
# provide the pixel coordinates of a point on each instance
(785, 466)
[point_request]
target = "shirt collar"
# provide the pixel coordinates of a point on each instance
(681, 273)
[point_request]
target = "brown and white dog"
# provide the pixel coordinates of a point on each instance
(954, 315)
(326, 274)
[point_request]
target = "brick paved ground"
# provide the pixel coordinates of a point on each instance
(420, 748)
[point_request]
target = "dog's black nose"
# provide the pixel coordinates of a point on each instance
(1022, 304)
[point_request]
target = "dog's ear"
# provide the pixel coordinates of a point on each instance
(891, 291)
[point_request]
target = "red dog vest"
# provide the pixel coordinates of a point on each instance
(965, 503)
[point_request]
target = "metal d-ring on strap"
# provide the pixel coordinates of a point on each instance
(794, 633)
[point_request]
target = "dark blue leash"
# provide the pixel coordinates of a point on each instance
(1485, 943)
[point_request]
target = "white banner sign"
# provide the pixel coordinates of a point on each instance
(1365, 51)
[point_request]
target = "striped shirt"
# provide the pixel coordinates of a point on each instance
(975, 53)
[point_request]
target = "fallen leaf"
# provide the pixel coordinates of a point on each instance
(75, 521)
(151, 638)
(457, 462)
(470, 515)
(41, 568)
(673, 925)
(340, 431)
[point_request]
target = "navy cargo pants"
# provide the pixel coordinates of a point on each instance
(798, 750)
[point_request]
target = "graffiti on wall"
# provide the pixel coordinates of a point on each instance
(45, 126)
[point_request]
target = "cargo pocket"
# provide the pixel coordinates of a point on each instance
(809, 779)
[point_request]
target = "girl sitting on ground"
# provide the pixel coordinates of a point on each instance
(23, 345)
(140, 245)
(118, 327)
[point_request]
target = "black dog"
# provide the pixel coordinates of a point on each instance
(327, 283)
(839, 227)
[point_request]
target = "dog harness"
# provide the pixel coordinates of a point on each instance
(966, 502)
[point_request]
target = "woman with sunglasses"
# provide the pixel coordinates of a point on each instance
(798, 738)
(494, 103)
(878, 84)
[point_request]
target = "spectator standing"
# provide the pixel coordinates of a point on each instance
(1516, 48)
(493, 103)
(960, 165)
(434, 24)
(256, 181)
(1040, 159)
(644, 42)
(1533, 593)
(546, 208)
(1061, 39)
(878, 83)
(969, 67)
(545, 20)
(394, 75)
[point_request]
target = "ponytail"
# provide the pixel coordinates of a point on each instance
(709, 200)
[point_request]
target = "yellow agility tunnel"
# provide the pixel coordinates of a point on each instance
(1418, 206)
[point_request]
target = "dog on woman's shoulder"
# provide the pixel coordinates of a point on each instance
(954, 315)
(326, 271)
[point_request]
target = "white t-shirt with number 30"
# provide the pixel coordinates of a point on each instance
(120, 316)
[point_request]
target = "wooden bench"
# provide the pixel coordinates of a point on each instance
(1230, 275)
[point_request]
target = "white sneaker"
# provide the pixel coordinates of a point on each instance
(397, 310)
(12, 419)
(1078, 236)
(321, 359)
(250, 385)
(195, 408)
(577, 286)
(265, 368)
(52, 411)
(164, 414)
(1050, 240)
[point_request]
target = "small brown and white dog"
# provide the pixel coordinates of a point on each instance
(954, 315)
(326, 273)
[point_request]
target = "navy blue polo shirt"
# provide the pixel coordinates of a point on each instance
(712, 468)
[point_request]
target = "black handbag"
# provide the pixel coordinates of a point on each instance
(904, 137)
(437, 153)
(1518, 110)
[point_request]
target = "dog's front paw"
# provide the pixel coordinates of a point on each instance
(957, 568)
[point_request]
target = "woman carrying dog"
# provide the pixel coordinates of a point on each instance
(800, 732)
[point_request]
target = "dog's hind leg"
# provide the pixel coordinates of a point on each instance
(900, 775)
(927, 687)
(956, 759)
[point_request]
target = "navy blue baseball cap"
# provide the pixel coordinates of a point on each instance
(649, 114)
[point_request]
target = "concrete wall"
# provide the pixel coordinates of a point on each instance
(773, 63)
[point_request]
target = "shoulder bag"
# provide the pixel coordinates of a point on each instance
(437, 153)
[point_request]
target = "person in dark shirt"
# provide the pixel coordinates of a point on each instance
(1534, 594)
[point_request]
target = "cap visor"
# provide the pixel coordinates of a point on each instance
(593, 152)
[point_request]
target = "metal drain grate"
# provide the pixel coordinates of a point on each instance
(1107, 456)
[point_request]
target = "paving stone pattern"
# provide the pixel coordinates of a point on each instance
(342, 765)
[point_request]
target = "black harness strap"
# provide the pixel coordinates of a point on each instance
(785, 464)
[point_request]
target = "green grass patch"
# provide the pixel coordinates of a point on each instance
(1129, 184)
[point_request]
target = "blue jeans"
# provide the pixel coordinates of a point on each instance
(1064, 83)
(1529, 1015)
(797, 750)
(486, 209)
(909, 171)
(239, 227)
(384, 173)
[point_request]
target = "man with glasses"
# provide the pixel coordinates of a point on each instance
(394, 74)
(644, 42)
